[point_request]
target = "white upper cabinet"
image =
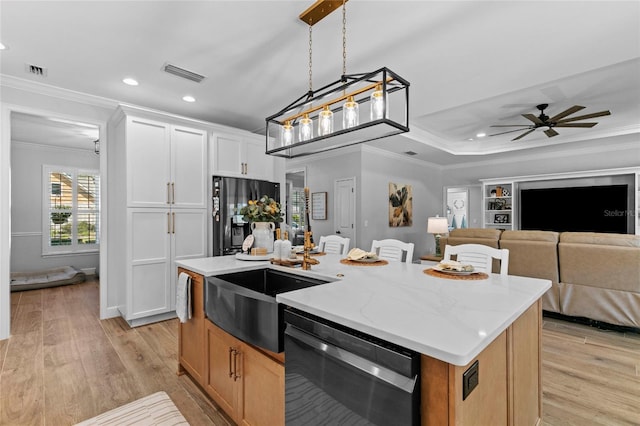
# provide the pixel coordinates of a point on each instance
(241, 156)
(166, 165)
(148, 157)
(189, 167)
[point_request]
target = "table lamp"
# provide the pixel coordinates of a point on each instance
(437, 226)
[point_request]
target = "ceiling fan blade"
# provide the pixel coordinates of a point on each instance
(551, 133)
(584, 117)
(575, 124)
(523, 135)
(510, 125)
(566, 112)
(533, 118)
(509, 131)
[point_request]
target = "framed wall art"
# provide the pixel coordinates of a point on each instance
(400, 205)
(319, 206)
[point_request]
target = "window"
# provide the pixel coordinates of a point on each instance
(297, 209)
(71, 210)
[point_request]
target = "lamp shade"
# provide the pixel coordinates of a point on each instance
(437, 225)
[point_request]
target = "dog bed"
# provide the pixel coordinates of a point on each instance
(64, 275)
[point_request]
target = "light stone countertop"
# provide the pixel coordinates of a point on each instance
(451, 320)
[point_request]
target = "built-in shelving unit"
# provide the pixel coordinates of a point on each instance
(498, 204)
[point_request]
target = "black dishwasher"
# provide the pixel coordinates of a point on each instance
(335, 375)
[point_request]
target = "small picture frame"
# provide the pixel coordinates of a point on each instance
(501, 218)
(319, 206)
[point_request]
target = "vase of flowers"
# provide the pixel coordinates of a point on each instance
(262, 214)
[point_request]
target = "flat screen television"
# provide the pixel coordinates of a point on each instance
(602, 208)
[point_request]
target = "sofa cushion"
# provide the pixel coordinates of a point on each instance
(488, 237)
(535, 254)
(609, 261)
(622, 240)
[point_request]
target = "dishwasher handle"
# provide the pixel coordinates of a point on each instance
(406, 384)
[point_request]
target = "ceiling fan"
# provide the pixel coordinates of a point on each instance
(557, 120)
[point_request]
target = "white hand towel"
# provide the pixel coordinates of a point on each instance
(183, 297)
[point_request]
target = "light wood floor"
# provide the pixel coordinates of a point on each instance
(63, 365)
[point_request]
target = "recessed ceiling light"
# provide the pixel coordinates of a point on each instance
(481, 135)
(130, 81)
(188, 98)
(2, 46)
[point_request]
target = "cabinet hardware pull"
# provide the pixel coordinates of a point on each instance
(231, 350)
(168, 223)
(173, 192)
(168, 194)
(246, 168)
(236, 376)
(173, 220)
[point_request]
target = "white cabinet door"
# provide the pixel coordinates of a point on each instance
(241, 157)
(149, 280)
(148, 155)
(188, 168)
(258, 164)
(189, 240)
(228, 155)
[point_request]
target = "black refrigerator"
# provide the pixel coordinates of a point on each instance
(229, 196)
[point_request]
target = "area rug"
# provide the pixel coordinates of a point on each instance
(154, 410)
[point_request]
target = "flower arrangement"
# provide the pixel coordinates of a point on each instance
(266, 209)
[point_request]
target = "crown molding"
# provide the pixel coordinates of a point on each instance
(57, 92)
(567, 152)
(40, 146)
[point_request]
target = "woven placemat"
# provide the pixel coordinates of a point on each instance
(474, 276)
(380, 262)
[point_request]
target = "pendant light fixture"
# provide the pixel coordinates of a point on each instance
(339, 102)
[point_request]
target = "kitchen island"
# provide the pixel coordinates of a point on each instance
(453, 323)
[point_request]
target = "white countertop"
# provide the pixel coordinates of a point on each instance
(451, 320)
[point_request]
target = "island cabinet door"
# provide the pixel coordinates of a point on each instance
(443, 402)
(262, 402)
(191, 335)
(224, 359)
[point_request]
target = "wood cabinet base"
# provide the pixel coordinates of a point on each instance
(509, 388)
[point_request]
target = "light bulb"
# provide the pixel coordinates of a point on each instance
(287, 133)
(378, 107)
(350, 113)
(325, 121)
(306, 128)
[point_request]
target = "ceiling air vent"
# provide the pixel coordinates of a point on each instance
(35, 70)
(411, 153)
(181, 72)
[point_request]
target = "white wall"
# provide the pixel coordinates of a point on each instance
(378, 170)
(374, 170)
(26, 204)
(321, 172)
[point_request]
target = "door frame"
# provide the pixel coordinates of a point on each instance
(5, 208)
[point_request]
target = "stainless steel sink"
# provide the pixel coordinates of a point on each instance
(244, 304)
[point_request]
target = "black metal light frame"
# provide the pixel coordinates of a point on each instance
(395, 117)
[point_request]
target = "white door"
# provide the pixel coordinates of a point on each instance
(345, 209)
(188, 167)
(148, 163)
(228, 155)
(148, 281)
(258, 165)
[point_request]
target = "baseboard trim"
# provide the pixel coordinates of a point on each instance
(591, 322)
